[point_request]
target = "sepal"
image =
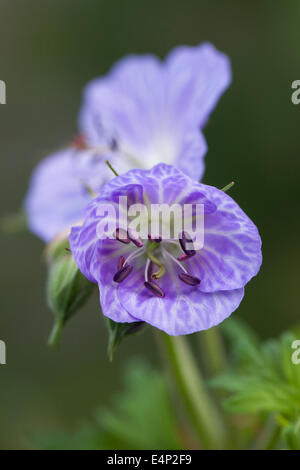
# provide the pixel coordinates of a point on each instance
(118, 331)
(67, 290)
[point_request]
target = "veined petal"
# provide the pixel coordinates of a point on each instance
(58, 190)
(111, 306)
(231, 255)
(195, 292)
(183, 310)
(110, 251)
(85, 240)
(198, 76)
(154, 110)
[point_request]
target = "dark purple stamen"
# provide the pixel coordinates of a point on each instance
(184, 240)
(123, 273)
(121, 262)
(184, 256)
(133, 236)
(155, 239)
(154, 289)
(188, 279)
(122, 236)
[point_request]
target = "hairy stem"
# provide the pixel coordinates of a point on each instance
(213, 350)
(200, 408)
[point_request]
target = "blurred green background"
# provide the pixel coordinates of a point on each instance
(48, 51)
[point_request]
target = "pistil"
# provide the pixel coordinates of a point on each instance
(149, 252)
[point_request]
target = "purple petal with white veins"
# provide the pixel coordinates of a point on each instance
(231, 256)
(85, 240)
(197, 78)
(183, 310)
(154, 110)
(58, 194)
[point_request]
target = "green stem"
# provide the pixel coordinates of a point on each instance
(269, 436)
(213, 350)
(55, 334)
(201, 409)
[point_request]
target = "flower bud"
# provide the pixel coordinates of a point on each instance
(58, 247)
(67, 291)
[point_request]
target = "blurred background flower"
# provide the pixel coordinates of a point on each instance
(49, 50)
(144, 112)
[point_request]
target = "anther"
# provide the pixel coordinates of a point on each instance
(154, 289)
(188, 279)
(184, 256)
(122, 236)
(155, 239)
(123, 273)
(184, 240)
(121, 262)
(133, 236)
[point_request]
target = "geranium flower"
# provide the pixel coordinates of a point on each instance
(164, 282)
(61, 187)
(143, 112)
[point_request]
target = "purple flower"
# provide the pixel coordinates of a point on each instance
(153, 111)
(164, 282)
(59, 190)
(143, 112)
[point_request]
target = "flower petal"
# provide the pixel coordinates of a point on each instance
(182, 311)
(85, 240)
(58, 195)
(231, 255)
(128, 106)
(197, 77)
(110, 251)
(153, 110)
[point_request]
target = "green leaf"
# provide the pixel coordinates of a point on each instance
(141, 417)
(262, 378)
(244, 343)
(291, 433)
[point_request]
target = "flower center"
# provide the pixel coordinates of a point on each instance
(155, 253)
